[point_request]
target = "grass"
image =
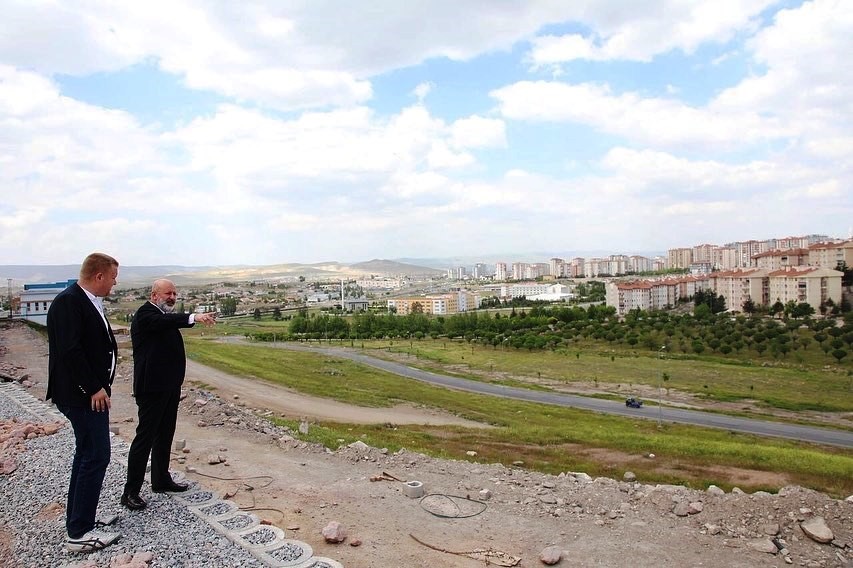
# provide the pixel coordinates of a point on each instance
(546, 438)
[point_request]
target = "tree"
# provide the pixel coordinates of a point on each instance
(748, 306)
(257, 314)
(839, 354)
(777, 308)
(417, 308)
(228, 306)
(276, 314)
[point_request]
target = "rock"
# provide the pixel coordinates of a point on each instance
(355, 542)
(334, 532)
(550, 555)
(358, 446)
(485, 494)
(817, 530)
(770, 529)
(712, 529)
(714, 490)
(629, 476)
(214, 459)
(471, 453)
(695, 507)
(763, 545)
(681, 509)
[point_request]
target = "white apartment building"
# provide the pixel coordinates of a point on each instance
(808, 284)
(557, 267)
(742, 284)
(500, 271)
(829, 255)
(518, 270)
(638, 263)
(437, 304)
(379, 283)
(652, 294)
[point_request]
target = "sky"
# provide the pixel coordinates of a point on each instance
(266, 132)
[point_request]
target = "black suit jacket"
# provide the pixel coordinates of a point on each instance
(82, 349)
(159, 360)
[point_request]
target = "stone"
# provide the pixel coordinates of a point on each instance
(763, 545)
(714, 490)
(550, 555)
(681, 509)
(770, 529)
(485, 494)
(629, 476)
(334, 532)
(695, 507)
(712, 529)
(817, 530)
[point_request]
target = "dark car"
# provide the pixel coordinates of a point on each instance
(632, 402)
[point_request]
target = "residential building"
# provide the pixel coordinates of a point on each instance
(557, 267)
(679, 258)
(518, 270)
(780, 258)
(500, 271)
(627, 295)
(808, 284)
(739, 285)
(830, 255)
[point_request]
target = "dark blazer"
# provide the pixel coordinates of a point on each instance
(159, 360)
(82, 349)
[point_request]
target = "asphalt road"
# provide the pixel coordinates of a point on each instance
(665, 414)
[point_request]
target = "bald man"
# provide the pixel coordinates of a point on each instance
(159, 365)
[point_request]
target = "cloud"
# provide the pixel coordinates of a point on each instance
(663, 26)
(658, 122)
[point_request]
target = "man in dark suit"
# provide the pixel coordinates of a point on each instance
(159, 365)
(81, 368)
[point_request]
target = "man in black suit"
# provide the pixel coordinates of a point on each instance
(81, 368)
(159, 364)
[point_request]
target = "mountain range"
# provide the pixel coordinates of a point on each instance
(131, 276)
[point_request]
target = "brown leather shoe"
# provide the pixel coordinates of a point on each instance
(133, 501)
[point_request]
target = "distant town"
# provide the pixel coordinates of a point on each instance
(748, 275)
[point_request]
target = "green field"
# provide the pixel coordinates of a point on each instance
(554, 439)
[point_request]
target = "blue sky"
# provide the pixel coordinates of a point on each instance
(261, 132)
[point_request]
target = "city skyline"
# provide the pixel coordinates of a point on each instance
(257, 134)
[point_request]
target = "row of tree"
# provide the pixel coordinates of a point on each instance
(552, 327)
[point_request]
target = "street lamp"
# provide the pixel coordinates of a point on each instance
(660, 387)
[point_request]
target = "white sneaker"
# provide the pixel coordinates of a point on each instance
(93, 540)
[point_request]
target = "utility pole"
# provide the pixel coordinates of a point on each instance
(9, 286)
(660, 387)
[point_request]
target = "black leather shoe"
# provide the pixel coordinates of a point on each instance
(133, 501)
(172, 487)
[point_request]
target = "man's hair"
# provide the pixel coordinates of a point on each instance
(95, 263)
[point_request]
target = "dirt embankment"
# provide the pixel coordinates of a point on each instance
(478, 514)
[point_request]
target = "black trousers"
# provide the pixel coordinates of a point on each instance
(158, 413)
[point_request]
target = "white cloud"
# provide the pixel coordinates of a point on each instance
(478, 132)
(660, 27)
(658, 122)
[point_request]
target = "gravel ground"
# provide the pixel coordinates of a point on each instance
(32, 508)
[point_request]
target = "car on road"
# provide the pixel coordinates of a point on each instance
(633, 402)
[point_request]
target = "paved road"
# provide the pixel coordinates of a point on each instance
(695, 417)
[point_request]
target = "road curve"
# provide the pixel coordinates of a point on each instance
(812, 434)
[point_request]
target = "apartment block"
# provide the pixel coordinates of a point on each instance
(679, 258)
(500, 271)
(829, 255)
(652, 294)
(738, 286)
(805, 284)
(777, 259)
